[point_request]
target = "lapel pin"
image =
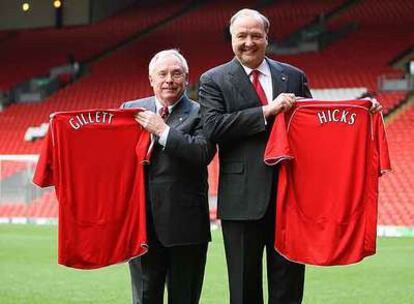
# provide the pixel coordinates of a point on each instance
(284, 78)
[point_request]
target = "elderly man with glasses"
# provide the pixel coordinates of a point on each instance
(178, 226)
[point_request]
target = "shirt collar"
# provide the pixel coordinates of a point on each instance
(262, 68)
(158, 104)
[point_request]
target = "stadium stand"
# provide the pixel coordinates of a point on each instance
(5, 35)
(117, 77)
(362, 56)
(289, 16)
(396, 204)
(349, 64)
(11, 167)
(45, 206)
(108, 83)
(51, 47)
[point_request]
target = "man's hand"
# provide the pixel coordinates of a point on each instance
(151, 122)
(282, 103)
(376, 106)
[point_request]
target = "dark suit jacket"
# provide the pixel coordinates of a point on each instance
(233, 118)
(176, 179)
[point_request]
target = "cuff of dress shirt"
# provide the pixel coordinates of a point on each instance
(164, 135)
(264, 117)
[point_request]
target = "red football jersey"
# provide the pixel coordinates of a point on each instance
(327, 198)
(94, 158)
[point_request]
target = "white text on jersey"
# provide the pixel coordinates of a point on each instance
(83, 119)
(336, 116)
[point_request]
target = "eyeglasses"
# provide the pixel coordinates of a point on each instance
(175, 75)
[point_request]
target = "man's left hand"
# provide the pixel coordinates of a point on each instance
(151, 122)
(376, 106)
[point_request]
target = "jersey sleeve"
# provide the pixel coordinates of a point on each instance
(144, 146)
(43, 176)
(278, 148)
(382, 145)
(146, 141)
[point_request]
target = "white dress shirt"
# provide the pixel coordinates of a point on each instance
(164, 135)
(265, 78)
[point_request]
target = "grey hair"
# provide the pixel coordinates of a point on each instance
(166, 53)
(246, 12)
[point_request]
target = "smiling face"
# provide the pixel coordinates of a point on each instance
(249, 41)
(168, 80)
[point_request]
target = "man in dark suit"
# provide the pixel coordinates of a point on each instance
(239, 100)
(238, 118)
(178, 225)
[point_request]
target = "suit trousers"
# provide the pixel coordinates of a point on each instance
(244, 243)
(180, 267)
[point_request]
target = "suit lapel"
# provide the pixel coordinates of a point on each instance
(243, 88)
(279, 78)
(179, 113)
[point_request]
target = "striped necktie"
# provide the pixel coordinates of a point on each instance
(164, 113)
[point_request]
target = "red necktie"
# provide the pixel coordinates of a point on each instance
(258, 87)
(164, 113)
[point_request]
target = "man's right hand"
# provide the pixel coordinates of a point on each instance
(282, 103)
(151, 122)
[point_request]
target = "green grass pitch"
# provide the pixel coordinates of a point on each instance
(29, 274)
